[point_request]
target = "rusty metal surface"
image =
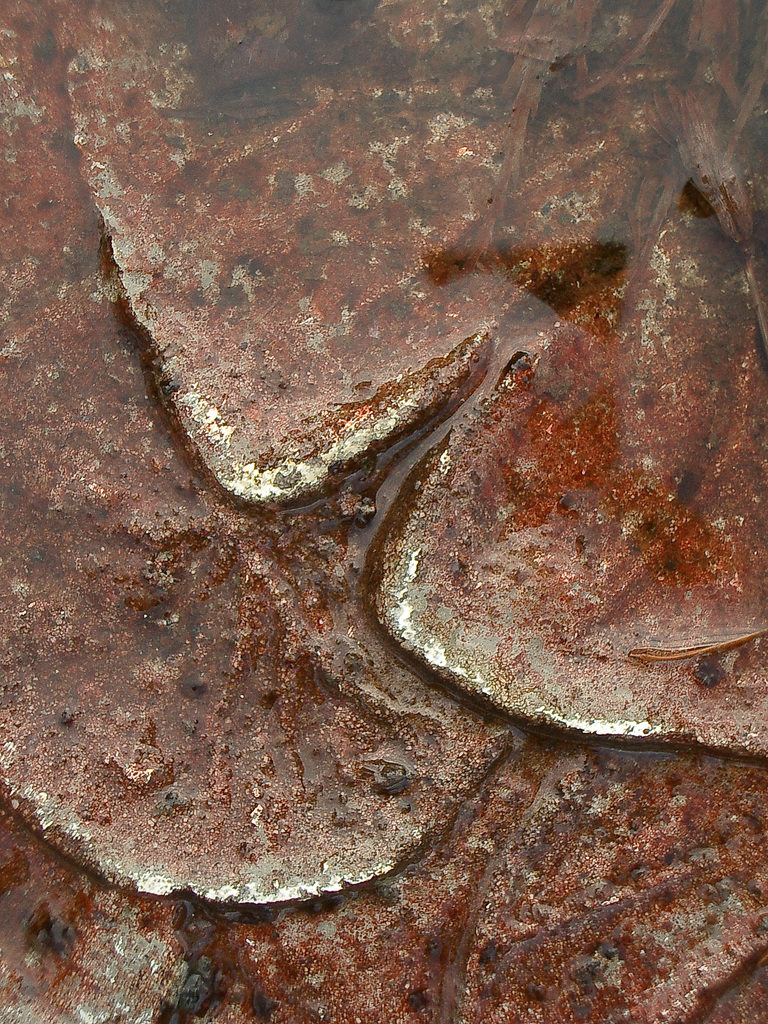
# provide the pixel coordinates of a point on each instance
(382, 447)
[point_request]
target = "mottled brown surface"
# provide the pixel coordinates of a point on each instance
(169, 657)
(575, 886)
(263, 234)
(562, 530)
(197, 696)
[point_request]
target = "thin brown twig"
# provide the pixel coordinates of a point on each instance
(650, 655)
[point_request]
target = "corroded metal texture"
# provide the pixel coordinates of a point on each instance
(383, 446)
(263, 234)
(178, 656)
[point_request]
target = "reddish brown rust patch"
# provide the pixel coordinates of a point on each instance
(199, 688)
(582, 282)
(570, 452)
(678, 547)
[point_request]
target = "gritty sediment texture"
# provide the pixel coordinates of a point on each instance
(170, 709)
(381, 380)
(577, 885)
(260, 232)
(558, 543)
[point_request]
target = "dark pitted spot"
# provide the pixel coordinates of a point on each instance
(328, 901)
(520, 366)
(197, 988)
(366, 510)
(688, 486)
(693, 202)
(169, 386)
(490, 953)
(537, 992)
(418, 1000)
(48, 932)
(608, 951)
(45, 49)
(263, 1007)
(389, 778)
(709, 672)
(193, 686)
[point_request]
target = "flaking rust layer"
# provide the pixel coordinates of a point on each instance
(275, 255)
(178, 709)
(595, 522)
(196, 695)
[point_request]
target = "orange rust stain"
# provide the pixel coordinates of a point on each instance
(560, 452)
(677, 547)
(581, 281)
(570, 453)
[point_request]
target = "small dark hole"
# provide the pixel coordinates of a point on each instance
(263, 1006)
(692, 201)
(418, 1000)
(709, 672)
